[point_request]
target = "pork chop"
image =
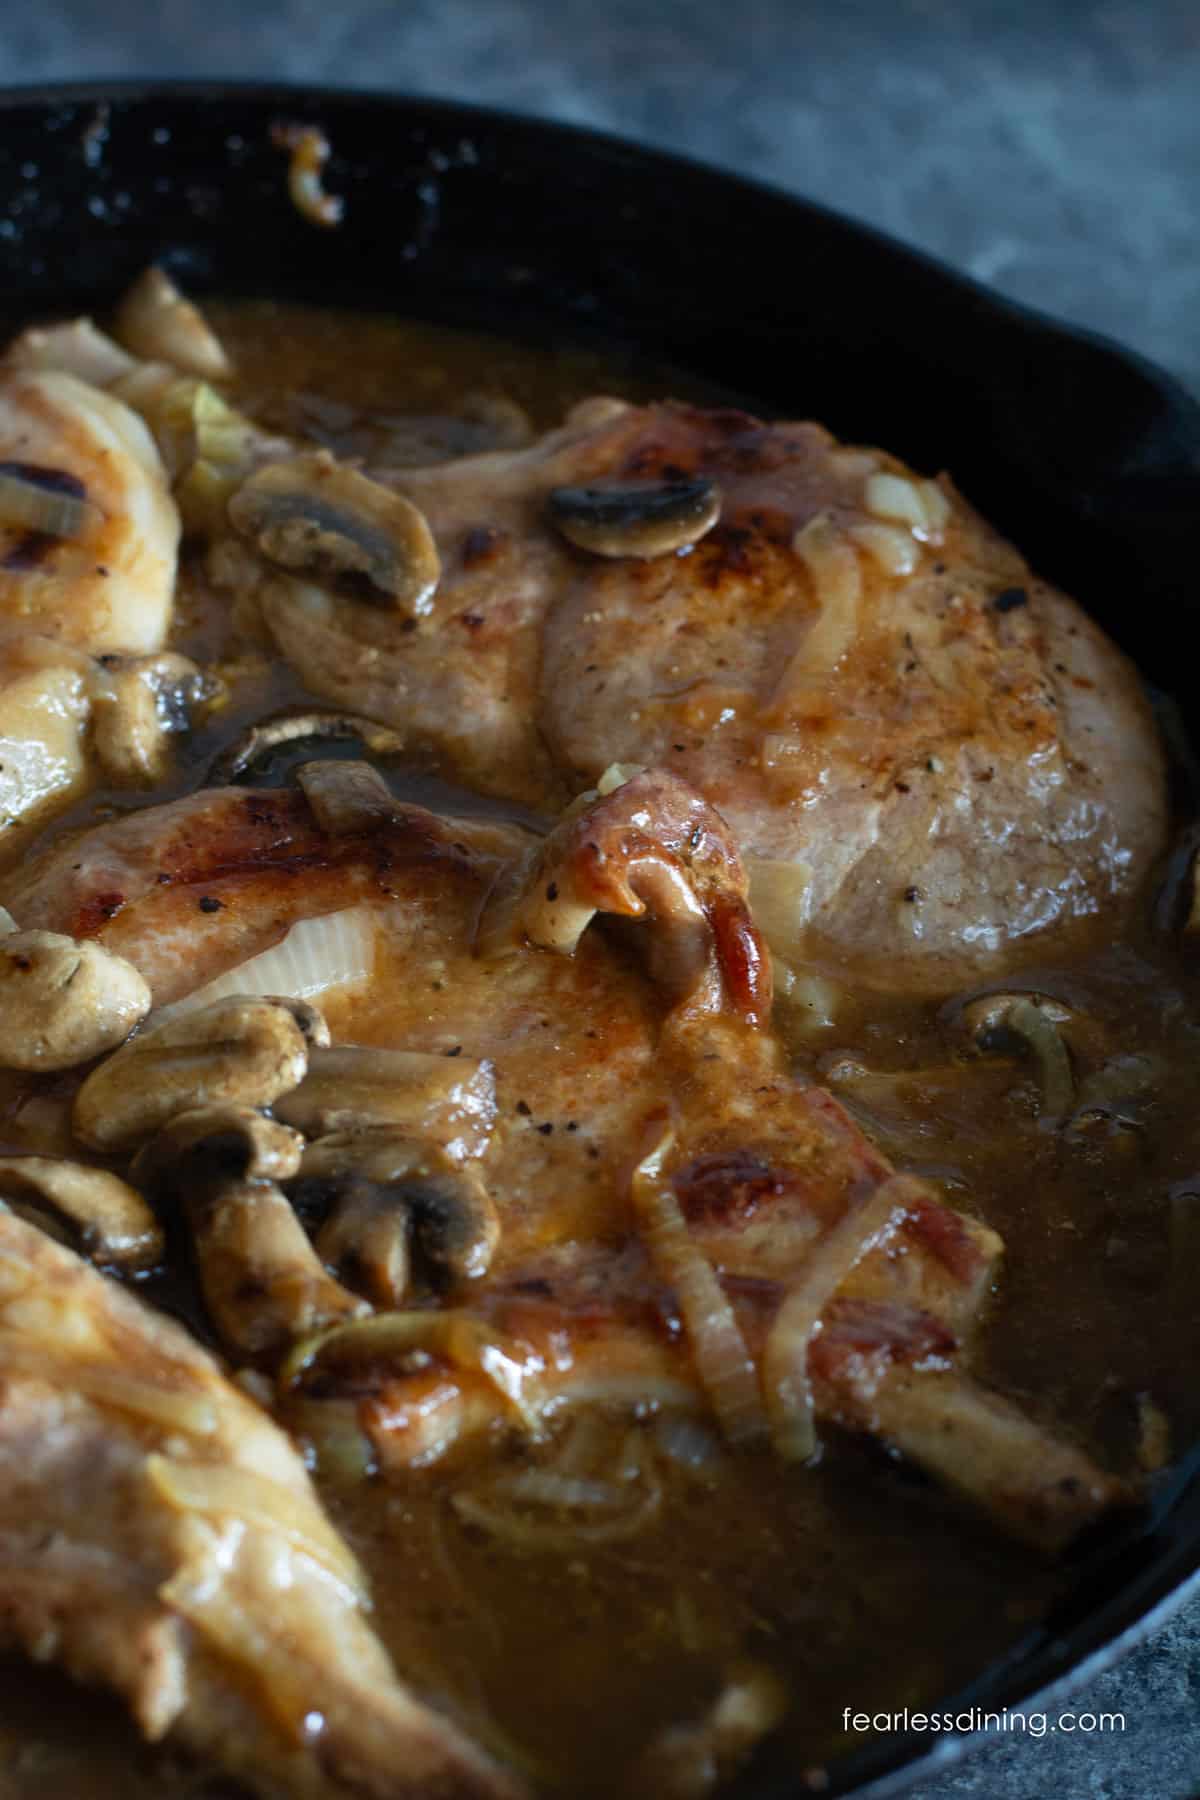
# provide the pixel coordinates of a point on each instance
(487, 954)
(931, 758)
(159, 1536)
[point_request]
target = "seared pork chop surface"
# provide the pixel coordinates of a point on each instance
(946, 757)
(545, 1057)
(159, 1535)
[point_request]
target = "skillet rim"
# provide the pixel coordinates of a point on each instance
(1161, 1554)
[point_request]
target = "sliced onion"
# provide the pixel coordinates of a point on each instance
(616, 775)
(159, 324)
(937, 507)
(781, 901)
(467, 1343)
(247, 1638)
(921, 505)
(223, 1490)
(687, 1442)
(550, 1487)
(334, 951)
(525, 1530)
(894, 497)
(7, 923)
(193, 1415)
(896, 551)
(723, 1363)
(812, 1001)
(34, 507)
(785, 1358)
(832, 564)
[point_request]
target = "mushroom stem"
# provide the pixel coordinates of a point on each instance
(263, 1283)
(240, 1050)
(379, 1191)
(91, 1211)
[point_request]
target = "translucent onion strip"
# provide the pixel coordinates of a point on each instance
(334, 951)
(723, 1363)
(222, 1490)
(832, 564)
(192, 1415)
(921, 505)
(34, 507)
(897, 552)
(530, 1530)
(246, 1638)
(785, 1359)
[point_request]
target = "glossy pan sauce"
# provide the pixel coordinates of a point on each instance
(857, 1582)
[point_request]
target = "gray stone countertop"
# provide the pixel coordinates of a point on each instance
(1052, 150)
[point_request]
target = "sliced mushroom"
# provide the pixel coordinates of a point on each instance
(353, 1359)
(447, 1101)
(376, 1190)
(1033, 1023)
(91, 1211)
(63, 1001)
(246, 1051)
(159, 324)
(263, 1284)
(347, 797)
(640, 518)
(138, 704)
(206, 1144)
(313, 514)
(258, 742)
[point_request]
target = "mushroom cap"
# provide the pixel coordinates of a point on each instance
(90, 1210)
(636, 518)
(241, 1050)
(207, 1144)
(63, 1001)
(311, 513)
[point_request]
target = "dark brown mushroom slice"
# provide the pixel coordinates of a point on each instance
(365, 1238)
(263, 1284)
(90, 1210)
(346, 797)
(241, 758)
(206, 1145)
(380, 1190)
(636, 518)
(314, 515)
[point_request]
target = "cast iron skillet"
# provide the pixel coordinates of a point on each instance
(1088, 456)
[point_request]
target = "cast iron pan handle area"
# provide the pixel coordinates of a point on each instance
(1086, 454)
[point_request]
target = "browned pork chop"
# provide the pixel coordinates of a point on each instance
(486, 956)
(159, 1535)
(947, 757)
